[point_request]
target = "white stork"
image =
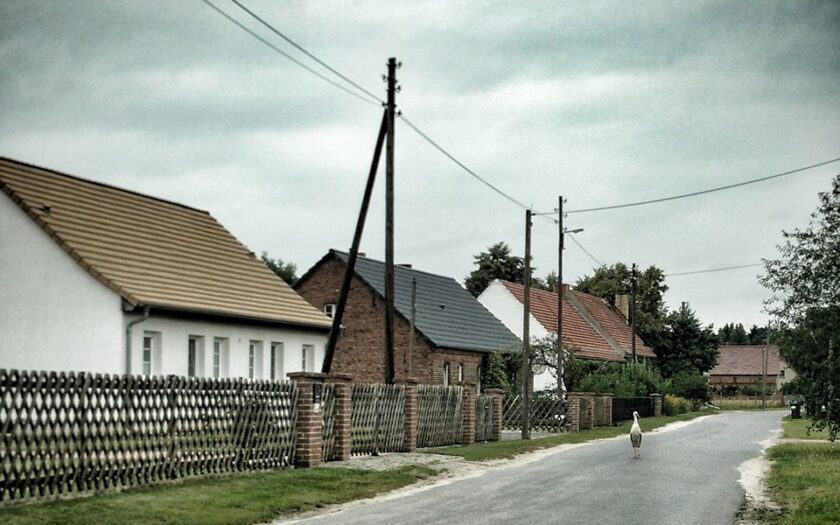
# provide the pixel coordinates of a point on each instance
(636, 435)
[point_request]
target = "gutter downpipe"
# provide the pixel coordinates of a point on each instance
(128, 338)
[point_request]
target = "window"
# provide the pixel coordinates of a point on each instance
(446, 374)
(147, 355)
(782, 373)
(255, 359)
(329, 309)
(195, 356)
(277, 361)
(478, 379)
(460, 372)
(220, 357)
(307, 361)
(251, 357)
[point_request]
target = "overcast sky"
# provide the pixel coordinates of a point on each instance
(603, 102)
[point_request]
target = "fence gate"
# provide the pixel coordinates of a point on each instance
(439, 415)
(483, 418)
(378, 418)
(328, 415)
(546, 414)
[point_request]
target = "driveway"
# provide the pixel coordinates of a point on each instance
(686, 475)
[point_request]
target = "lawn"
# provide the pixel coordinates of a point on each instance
(798, 429)
(238, 499)
(805, 480)
(509, 449)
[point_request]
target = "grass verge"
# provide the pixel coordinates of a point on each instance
(509, 449)
(798, 429)
(240, 499)
(805, 480)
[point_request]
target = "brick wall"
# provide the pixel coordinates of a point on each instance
(360, 351)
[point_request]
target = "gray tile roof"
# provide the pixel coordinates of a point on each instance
(447, 314)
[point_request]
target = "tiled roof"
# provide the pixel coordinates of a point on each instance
(735, 360)
(578, 334)
(613, 323)
(153, 252)
(447, 314)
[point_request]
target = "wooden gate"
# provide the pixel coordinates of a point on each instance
(483, 418)
(439, 415)
(378, 418)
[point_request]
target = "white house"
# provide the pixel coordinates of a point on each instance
(592, 329)
(100, 279)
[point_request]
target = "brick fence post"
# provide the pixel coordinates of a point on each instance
(657, 404)
(573, 411)
(343, 414)
(468, 410)
(309, 426)
(410, 425)
(608, 414)
(498, 397)
(587, 418)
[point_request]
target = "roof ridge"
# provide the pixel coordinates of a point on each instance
(103, 184)
(412, 269)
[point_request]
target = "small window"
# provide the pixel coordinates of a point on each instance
(220, 357)
(782, 373)
(251, 358)
(478, 379)
(276, 360)
(148, 348)
(460, 372)
(307, 361)
(195, 356)
(191, 356)
(446, 374)
(329, 310)
(255, 360)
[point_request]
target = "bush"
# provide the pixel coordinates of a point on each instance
(691, 386)
(620, 379)
(670, 405)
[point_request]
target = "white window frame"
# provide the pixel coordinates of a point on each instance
(445, 374)
(307, 359)
(329, 310)
(277, 364)
(219, 364)
(195, 346)
(255, 360)
(460, 372)
(148, 353)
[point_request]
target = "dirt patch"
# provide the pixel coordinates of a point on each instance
(757, 502)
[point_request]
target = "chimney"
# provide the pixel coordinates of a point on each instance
(566, 288)
(622, 302)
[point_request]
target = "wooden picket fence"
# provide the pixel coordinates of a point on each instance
(439, 415)
(377, 418)
(483, 418)
(546, 414)
(77, 433)
(328, 423)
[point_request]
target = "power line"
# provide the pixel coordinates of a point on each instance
(702, 192)
(723, 269)
(286, 55)
(599, 263)
(307, 53)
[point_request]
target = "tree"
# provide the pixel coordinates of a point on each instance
(805, 286)
(607, 281)
(686, 347)
(725, 334)
(739, 335)
(496, 263)
(285, 271)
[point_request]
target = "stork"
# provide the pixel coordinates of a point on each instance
(636, 435)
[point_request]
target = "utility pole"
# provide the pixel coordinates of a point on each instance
(526, 334)
(561, 385)
(412, 321)
(633, 312)
(389, 224)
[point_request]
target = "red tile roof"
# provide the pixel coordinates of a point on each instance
(738, 360)
(578, 334)
(613, 323)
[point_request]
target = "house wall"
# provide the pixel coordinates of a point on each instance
(510, 311)
(360, 350)
(171, 335)
(53, 314)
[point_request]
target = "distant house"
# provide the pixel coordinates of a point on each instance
(740, 366)
(453, 331)
(592, 329)
(97, 278)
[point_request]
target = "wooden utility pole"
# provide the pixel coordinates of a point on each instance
(354, 249)
(389, 224)
(561, 386)
(633, 312)
(526, 334)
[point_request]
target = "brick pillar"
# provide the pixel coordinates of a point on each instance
(410, 441)
(608, 415)
(309, 426)
(657, 404)
(498, 397)
(573, 411)
(343, 414)
(587, 417)
(468, 428)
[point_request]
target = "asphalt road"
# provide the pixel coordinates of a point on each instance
(685, 476)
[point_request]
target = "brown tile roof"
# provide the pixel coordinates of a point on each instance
(736, 360)
(578, 334)
(154, 252)
(613, 323)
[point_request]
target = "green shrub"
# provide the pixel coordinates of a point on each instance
(670, 405)
(691, 386)
(620, 379)
(686, 405)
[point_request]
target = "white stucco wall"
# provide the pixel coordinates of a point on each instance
(509, 311)
(53, 314)
(172, 336)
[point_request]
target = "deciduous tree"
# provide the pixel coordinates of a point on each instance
(285, 271)
(496, 263)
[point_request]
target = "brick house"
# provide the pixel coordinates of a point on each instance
(453, 331)
(740, 366)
